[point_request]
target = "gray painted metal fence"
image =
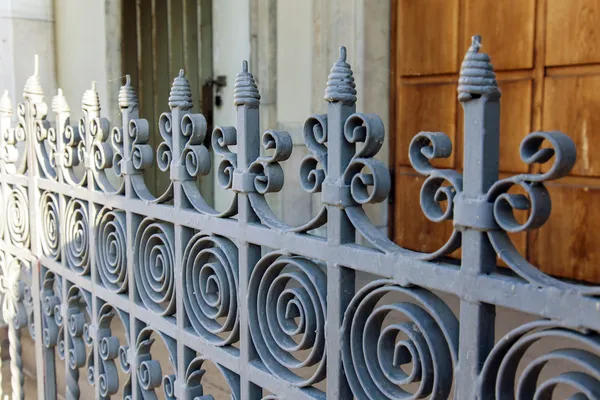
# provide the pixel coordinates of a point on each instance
(275, 307)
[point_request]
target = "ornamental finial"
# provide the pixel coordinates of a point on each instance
(91, 100)
(59, 103)
(245, 91)
(181, 93)
(340, 84)
(6, 106)
(477, 76)
(127, 96)
(33, 87)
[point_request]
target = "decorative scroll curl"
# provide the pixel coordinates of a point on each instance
(579, 361)
(78, 313)
(287, 308)
(111, 249)
(210, 281)
(154, 266)
(376, 354)
(17, 217)
(77, 241)
(562, 152)
(52, 319)
(269, 177)
(49, 219)
(110, 351)
(149, 372)
(193, 380)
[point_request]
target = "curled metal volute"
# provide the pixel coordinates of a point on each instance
(426, 147)
(426, 337)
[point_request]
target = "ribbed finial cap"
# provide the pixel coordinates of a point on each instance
(6, 106)
(181, 93)
(340, 84)
(59, 103)
(127, 96)
(33, 85)
(91, 100)
(477, 76)
(245, 91)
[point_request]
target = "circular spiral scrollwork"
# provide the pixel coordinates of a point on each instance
(376, 354)
(578, 375)
(210, 280)
(154, 261)
(77, 237)
(111, 250)
(49, 225)
(287, 307)
(17, 217)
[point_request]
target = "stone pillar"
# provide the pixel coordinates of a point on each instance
(26, 29)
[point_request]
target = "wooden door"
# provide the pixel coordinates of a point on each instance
(546, 54)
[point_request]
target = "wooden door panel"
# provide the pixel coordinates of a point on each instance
(433, 22)
(572, 32)
(515, 123)
(569, 245)
(572, 105)
(425, 107)
(512, 48)
(547, 57)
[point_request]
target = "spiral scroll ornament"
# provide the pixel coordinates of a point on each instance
(441, 185)
(369, 179)
(193, 380)
(77, 315)
(49, 218)
(17, 217)
(52, 320)
(574, 369)
(377, 355)
(210, 281)
(110, 351)
(153, 266)
(111, 249)
(267, 170)
(77, 236)
(150, 372)
(287, 308)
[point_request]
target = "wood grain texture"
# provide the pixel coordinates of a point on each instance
(572, 32)
(424, 108)
(571, 105)
(507, 28)
(568, 245)
(427, 35)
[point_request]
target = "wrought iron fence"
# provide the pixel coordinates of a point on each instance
(276, 307)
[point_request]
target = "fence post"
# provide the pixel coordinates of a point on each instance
(341, 96)
(480, 98)
(247, 100)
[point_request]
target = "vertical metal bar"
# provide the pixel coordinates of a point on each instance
(340, 280)
(33, 201)
(129, 111)
(481, 104)
(248, 140)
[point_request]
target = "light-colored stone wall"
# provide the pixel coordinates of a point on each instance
(26, 29)
(88, 48)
